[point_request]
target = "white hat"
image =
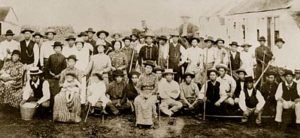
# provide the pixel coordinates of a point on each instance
(35, 71)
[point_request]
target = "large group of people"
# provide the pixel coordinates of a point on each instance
(143, 74)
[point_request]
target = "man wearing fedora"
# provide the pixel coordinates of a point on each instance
(177, 56)
(47, 49)
(263, 55)
(37, 90)
(209, 52)
(287, 97)
(148, 51)
(102, 35)
(251, 101)
(163, 49)
(248, 59)
(29, 51)
(70, 48)
(90, 39)
(222, 52)
(7, 47)
(235, 57)
(268, 91)
(169, 92)
(130, 53)
(279, 53)
(84, 37)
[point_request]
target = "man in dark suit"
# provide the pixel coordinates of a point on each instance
(149, 51)
(90, 34)
(235, 59)
(28, 48)
(263, 55)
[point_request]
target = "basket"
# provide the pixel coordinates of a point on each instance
(28, 110)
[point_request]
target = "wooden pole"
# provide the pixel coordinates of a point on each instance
(205, 83)
(87, 113)
(131, 61)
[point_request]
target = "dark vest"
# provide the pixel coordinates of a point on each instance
(251, 101)
(27, 55)
(289, 94)
(239, 88)
(213, 92)
(174, 56)
(236, 61)
(37, 92)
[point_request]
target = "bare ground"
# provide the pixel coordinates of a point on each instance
(119, 126)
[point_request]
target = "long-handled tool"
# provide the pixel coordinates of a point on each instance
(87, 113)
(205, 84)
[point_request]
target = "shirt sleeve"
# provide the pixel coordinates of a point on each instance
(36, 52)
(108, 66)
(46, 93)
(261, 101)
(242, 101)
(42, 55)
(27, 91)
(278, 93)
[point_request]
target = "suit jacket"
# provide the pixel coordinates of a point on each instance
(263, 55)
(236, 61)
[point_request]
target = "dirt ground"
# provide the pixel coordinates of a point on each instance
(119, 126)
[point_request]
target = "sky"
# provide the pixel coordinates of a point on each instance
(112, 15)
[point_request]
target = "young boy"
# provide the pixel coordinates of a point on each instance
(251, 101)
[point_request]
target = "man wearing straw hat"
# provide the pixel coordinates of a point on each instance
(37, 90)
(169, 91)
(248, 59)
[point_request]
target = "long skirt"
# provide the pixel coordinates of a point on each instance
(63, 112)
(145, 109)
(11, 95)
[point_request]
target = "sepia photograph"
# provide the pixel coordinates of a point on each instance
(149, 68)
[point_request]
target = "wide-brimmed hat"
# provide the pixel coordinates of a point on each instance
(168, 71)
(262, 38)
(37, 34)
(9, 33)
(57, 43)
(149, 34)
(118, 73)
(82, 34)
(90, 30)
(221, 66)
(70, 37)
(72, 57)
(209, 39)
(279, 40)
(212, 70)
(136, 35)
(195, 38)
(234, 43)
(288, 72)
(27, 30)
(115, 34)
(16, 52)
(73, 74)
(162, 37)
(268, 73)
(249, 79)
(126, 38)
(174, 35)
(158, 68)
(241, 70)
(220, 39)
(246, 45)
(150, 63)
(134, 73)
(102, 31)
(50, 30)
(297, 71)
(35, 71)
(192, 75)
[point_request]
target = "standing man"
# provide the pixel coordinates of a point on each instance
(187, 29)
(279, 53)
(163, 55)
(70, 48)
(84, 37)
(130, 53)
(177, 56)
(149, 51)
(222, 52)
(7, 47)
(210, 56)
(263, 55)
(235, 58)
(102, 35)
(90, 39)
(47, 49)
(29, 51)
(248, 60)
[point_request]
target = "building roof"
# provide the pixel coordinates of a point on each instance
(3, 13)
(250, 6)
